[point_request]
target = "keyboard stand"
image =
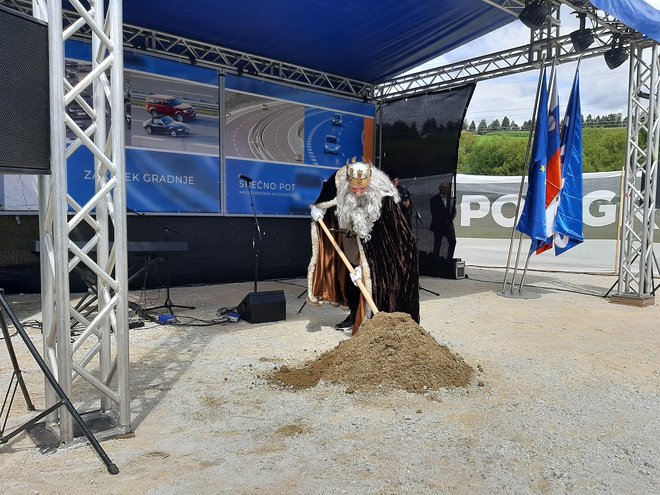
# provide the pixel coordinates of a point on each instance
(168, 304)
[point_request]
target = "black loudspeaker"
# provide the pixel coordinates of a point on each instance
(24, 75)
(435, 266)
(260, 307)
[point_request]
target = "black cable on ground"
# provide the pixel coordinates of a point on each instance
(189, 321)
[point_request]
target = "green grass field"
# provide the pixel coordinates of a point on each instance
(503, 152)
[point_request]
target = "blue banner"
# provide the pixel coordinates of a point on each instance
(275, 189)
(332, 138)
(638, 14)
(172, 182)
(287, 139)
(156, 181)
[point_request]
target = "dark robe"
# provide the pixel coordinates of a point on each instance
(389, 261)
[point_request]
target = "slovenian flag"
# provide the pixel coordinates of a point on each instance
(569, 226)
(532, 221)
(553, 174)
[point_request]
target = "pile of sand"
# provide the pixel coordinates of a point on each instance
(390, 351)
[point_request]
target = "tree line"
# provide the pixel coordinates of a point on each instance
(608, 120)
(503, 152)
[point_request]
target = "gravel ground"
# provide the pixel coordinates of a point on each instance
(568, 402)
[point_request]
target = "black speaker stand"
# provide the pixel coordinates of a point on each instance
(64, 400)
(17, 375)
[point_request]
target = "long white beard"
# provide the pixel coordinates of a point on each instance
(359, 214)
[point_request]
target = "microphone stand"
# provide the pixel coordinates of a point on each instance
(256, 233)
(418, 219)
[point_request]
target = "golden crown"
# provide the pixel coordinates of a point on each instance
(358, 173)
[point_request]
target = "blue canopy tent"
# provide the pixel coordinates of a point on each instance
(367, 40)
(637, 14)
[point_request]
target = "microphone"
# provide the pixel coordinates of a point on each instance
(245, 178)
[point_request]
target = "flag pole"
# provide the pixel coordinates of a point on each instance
(522, 182)
(553, 83)
(619, 221)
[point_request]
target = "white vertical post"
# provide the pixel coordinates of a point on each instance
(60, 248)
(121, 234)
(635, 284)
(104, 363)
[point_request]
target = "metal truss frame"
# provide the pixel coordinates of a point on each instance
(216, 57)
(502, 63)
(515, 7)
(635, 283)
(98, 355)
(544, 42)
(139, 39)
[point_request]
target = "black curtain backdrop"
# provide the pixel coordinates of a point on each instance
(420, 138)
(420, 135)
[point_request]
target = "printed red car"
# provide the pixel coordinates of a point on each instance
(170, 105)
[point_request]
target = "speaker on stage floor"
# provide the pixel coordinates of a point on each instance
(261, 307)
(435, 266)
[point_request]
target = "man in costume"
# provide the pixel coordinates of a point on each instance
(359, 205)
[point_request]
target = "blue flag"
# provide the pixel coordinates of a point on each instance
(569, 226)
(553, 177)
(532, 221)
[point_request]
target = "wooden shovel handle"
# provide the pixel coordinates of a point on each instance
(348, 264)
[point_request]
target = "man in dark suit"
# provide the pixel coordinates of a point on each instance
(443, 212)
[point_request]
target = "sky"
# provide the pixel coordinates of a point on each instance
(603, 91)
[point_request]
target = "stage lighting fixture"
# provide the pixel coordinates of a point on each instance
(582, 38)
(535, 14)
(616, 55)
(192, 58)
